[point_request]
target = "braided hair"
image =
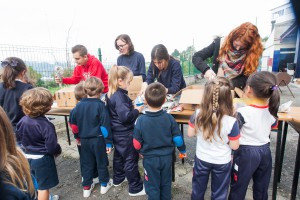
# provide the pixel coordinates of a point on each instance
(216, 102)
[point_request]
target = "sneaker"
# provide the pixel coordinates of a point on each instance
(141, 193)
(87, 193)
(95, 180)
(53, 197)
(117, 185)
(105, 189)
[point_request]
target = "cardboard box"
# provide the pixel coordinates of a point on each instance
(135, 87)
(65, 97)
(191, 96)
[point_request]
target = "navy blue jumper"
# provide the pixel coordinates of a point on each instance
(171, 77)
(134, 61)
(155, 136)
(125, 161)
(9, 100)
(90, 122)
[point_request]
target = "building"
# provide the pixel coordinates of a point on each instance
(281, 48)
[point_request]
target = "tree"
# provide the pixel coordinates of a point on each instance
(175, 53)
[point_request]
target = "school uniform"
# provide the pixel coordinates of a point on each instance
(90, 123)
(253, 158)
(155, 136)
(125, 159)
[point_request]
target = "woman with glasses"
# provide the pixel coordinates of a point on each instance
(12, 88)
(236, 59)
(165, 69)
(129, 57)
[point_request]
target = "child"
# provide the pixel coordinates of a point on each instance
(37, 137)
(253, 158)
(217, 133)
(154, 136)
(79, 95)
(15, 179)
(90, 124)
(123, 115)
(13, 87)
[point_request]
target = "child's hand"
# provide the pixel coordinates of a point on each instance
(141, 156)
(139, 108)
(108, 150)
(182, 155)
(78, 142)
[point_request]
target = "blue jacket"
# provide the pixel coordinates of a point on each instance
(171, 78)
(156, 134)
(91, 118)
(10, 98)
(37, 136)
(121, 111)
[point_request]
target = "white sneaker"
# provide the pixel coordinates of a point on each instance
(53, 197)
(96, 180)
(105, 189)
(117, 185)
(141, 193)
(87, 193)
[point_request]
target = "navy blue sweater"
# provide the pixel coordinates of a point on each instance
(10, 98)
(156, 133)
(92, 119)
(135, 61)
(171, 78)
(11, 192)
(37, 136)
(121, 111)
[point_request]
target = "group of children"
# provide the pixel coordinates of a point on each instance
(99, 127)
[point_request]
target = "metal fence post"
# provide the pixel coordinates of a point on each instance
(99, 54)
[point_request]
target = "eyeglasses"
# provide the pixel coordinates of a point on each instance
(12, 63)
(121, 46)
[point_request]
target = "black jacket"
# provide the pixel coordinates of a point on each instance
(210, 51)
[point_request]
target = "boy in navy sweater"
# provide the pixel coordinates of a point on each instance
(90, 123)
(37, 137)
(155, 134)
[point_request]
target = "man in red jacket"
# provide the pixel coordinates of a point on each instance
(87, 66)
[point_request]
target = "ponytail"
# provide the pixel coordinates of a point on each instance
(115, 73)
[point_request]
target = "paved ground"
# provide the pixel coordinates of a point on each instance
(70, 179)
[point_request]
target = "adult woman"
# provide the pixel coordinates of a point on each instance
(165, 69)
(15, 178)
(129, 57)
(237, 58)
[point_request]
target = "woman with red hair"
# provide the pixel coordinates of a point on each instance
(236, 58)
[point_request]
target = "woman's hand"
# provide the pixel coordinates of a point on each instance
(143, 89)
(209, 74)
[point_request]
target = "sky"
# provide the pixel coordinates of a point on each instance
(94, 23)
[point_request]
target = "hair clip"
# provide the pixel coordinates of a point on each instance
(12, 63)
(274, 87)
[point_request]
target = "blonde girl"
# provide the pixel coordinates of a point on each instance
(217, 134)
(123, 115)
(15, 178)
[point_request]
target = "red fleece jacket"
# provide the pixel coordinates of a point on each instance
(93, 67)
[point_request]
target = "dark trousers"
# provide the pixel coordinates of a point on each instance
(95, 167)
(251, 162)
(93, 153)
(158, 177)
(125, 162)
(220, 179)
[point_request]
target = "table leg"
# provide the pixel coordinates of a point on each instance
(296, 172)
(67, 127)
(285, 128)
(277, 160)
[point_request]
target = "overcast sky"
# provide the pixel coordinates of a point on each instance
(94, 23)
